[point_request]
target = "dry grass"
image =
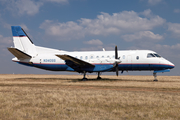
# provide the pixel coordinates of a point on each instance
(66, 97)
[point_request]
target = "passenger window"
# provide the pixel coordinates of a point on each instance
(113, 57)
(97, 56)
(81, 57)
(149, 55)
(123, 56)
(86, 57)
(102, 56)
(137, 57)
(91, 57)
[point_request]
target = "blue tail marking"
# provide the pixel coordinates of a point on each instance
(18, 31)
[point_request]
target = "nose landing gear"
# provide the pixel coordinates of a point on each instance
(155, 77)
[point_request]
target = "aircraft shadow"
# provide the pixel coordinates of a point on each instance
(80, 80)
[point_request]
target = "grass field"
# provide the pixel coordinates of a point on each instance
(67, 97)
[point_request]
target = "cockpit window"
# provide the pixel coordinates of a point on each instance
(149, 55)
(157, 55)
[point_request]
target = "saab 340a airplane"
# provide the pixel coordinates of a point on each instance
(26, 53)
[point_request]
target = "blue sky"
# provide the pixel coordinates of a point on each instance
(76, 25)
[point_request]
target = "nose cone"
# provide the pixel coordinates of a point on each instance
(167, 64)
(170, 65)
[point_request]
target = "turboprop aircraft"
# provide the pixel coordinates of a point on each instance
(26, 53)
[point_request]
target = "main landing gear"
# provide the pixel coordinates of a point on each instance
(98, 76)
(84, 78)
(155, 77)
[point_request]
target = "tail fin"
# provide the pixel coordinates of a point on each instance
(22, 41)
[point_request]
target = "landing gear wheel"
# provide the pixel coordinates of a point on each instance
(84, 79)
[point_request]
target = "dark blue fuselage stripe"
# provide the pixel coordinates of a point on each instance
(64, 67)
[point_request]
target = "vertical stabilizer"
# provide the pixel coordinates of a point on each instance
(22, 41)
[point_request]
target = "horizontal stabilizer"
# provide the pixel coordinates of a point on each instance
(75, 60)
(19, 54)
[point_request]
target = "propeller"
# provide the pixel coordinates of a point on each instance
(116, 53)
(117, 61)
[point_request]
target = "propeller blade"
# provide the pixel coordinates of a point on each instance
(116, 63)
(116, 53)
(117, 70)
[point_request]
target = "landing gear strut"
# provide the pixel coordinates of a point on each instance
(84, 78)
(98, 76)
(155, 77)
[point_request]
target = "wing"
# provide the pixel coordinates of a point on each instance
(72, 61)
(75, 63)
(19, 54)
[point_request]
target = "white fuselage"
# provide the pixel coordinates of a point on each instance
(26, 53)
(130, 60)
